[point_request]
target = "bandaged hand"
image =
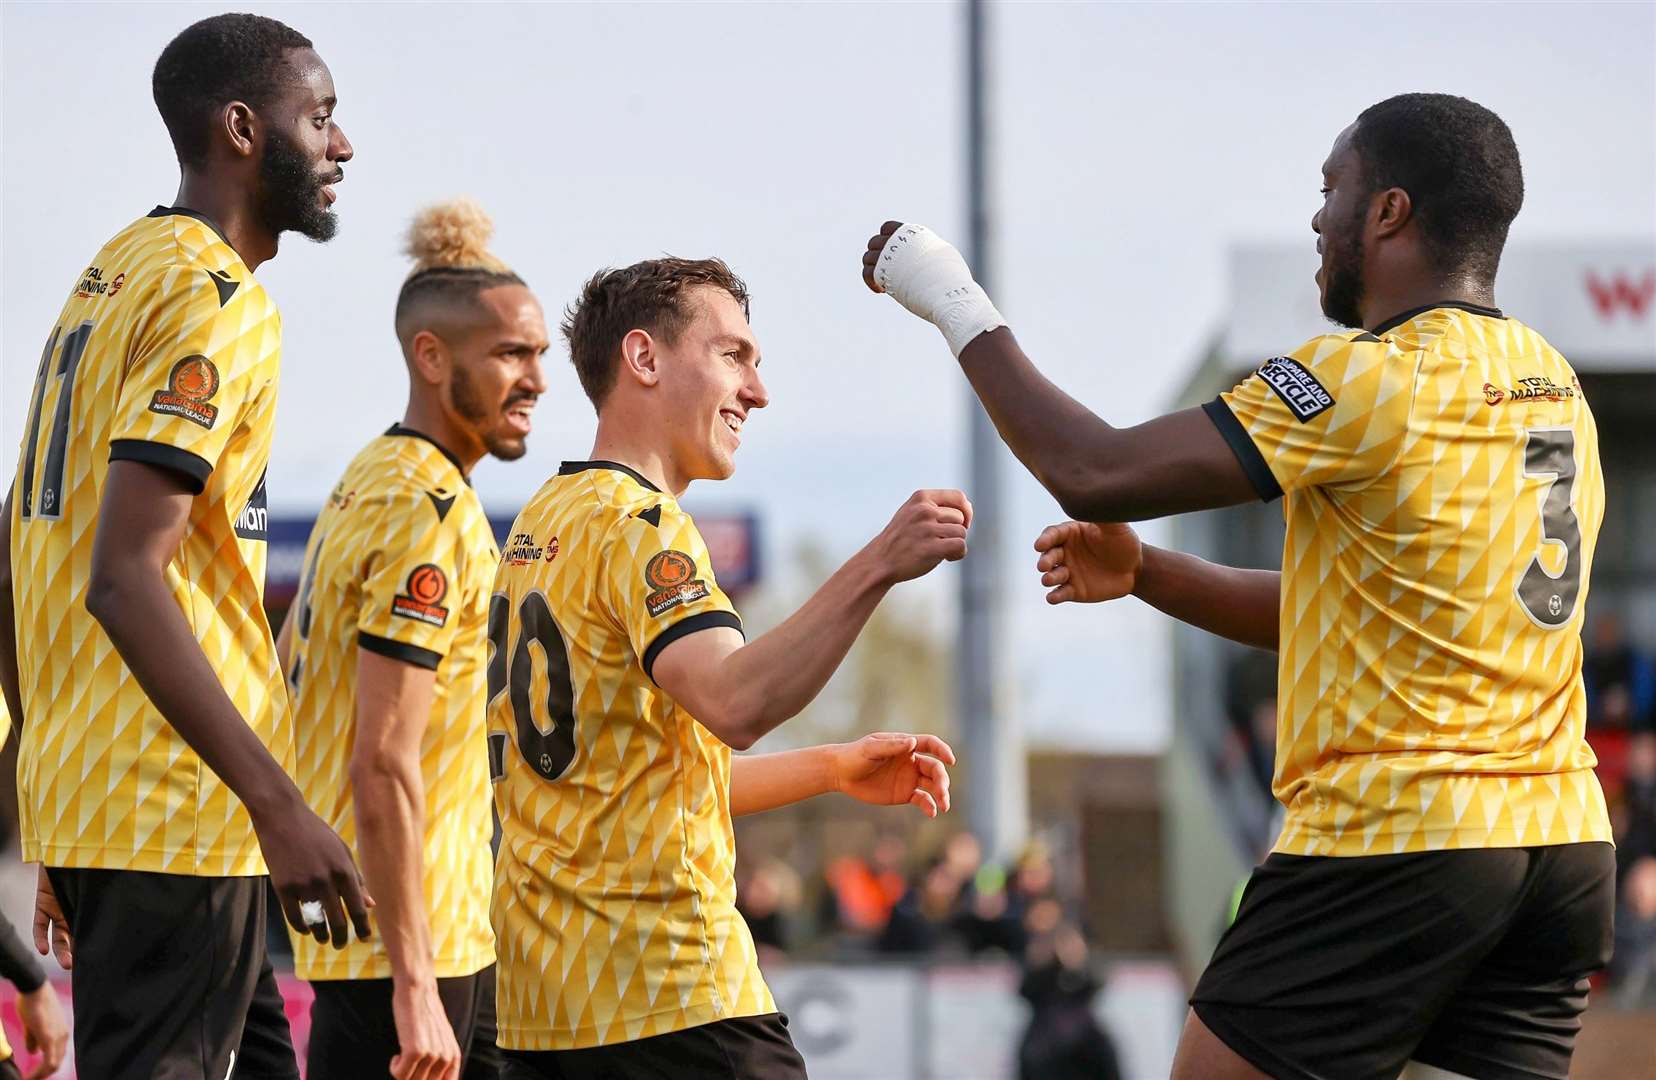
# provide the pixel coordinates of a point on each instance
(923, 272)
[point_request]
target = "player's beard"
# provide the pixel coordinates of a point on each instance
(1343, 280)
(463, 394)
(291, 192)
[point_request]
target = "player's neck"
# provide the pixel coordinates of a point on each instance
(1381, 305)
(231, 209)
(466, 449)
(616, 442)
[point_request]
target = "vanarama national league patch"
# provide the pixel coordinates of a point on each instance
(672, 577)
(423, 596)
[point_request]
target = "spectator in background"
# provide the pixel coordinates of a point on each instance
(926, 919)
(863, 891)
(1621, 680)
(769, 898)
(1064, 1040)
(1633, 968)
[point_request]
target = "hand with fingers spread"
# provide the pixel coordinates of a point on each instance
(891, 769)
(316, 880)
(1086, 562)
(51, 929)
(45, 1030)
(923, 272)
(927, 529)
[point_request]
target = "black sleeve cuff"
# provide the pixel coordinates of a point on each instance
(18, 965)
(1237, 438)
(705, 621)
(193, 468)
(398, 650)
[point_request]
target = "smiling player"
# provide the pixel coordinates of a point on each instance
(152, 777)
(620, 681)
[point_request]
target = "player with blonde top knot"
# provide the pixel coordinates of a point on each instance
(385, 652)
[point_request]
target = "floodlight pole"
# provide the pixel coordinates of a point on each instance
(992, 743)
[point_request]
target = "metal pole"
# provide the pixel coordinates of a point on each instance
(992, 742)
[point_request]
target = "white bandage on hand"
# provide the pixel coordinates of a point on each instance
(923, 272)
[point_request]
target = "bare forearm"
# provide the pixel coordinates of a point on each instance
(390, 817)
(1242, 605)
(1169, 465)
(1056, 437)
(138, 612)
(773, 677)
(766, 781)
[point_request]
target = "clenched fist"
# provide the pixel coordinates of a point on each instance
(927, 529)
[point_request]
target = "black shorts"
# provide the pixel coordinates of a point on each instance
(354, 1034)
(171, 979)
(1472, 961)
(747, 1048)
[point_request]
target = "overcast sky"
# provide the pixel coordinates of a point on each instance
(1133, 144)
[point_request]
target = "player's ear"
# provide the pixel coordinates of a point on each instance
(1392, 210)
(428, 358)
(238, 121)
(638, 357)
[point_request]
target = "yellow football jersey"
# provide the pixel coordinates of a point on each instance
(166, 352)
(400, 563)
(1443, 497)
(615, 890)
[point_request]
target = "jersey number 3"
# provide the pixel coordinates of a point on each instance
(546, 727)
(1550, 599)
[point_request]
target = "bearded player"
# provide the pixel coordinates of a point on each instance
(1443, 885)
(134, 649)
(385, 650)
(620, 681)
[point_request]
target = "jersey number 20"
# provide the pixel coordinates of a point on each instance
(545, 728)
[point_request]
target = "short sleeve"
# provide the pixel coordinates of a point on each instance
(207, 353)
(659, 584)
(1334, 411)
(411, 570)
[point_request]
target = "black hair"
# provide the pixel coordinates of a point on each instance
(224, 58)
(447, 285)
(1459, 164)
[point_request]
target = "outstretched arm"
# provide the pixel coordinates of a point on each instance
(1097, 472)
(1081, 562)
(741, 691)
(885, 769)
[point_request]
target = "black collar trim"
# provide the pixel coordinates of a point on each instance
(398, 429)
(570, 468)
(1398, 320)
(182, 211)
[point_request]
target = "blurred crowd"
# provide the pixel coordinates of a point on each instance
(890, 900)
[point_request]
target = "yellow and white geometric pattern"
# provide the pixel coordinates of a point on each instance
(400, 562)
(1443, 499)
(166, 352)
(615, 890)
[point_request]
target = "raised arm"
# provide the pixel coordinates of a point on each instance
(741, 691)
(1082, 562)
(141, 523)
(1170, 465)
(393, 707)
